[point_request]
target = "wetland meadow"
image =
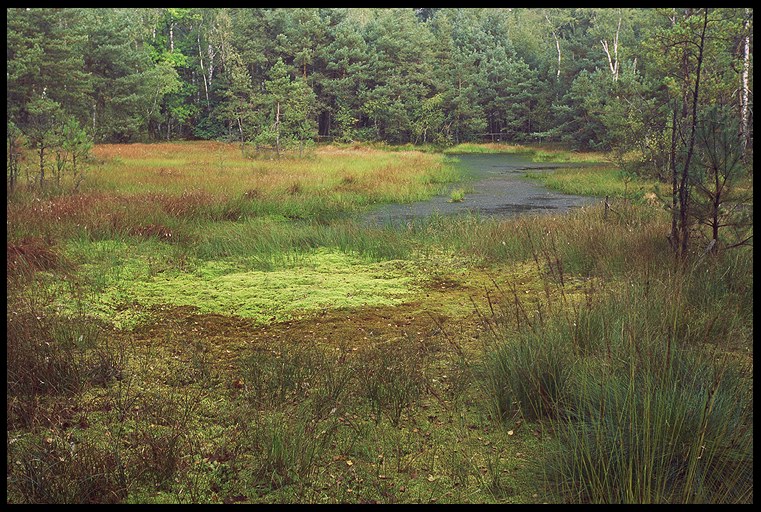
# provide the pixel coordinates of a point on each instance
(369, 324)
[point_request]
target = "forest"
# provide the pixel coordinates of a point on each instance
(203, 306)
(592, 78)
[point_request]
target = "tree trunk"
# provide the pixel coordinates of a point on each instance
(42, 165)
(211, 54)
(745, 88)
(716, 204)
(613, 61)
(171, 37)
(277, 130)
(13, 158)
(242, 141)
(684, 187)
(203, 72)
(557, 43)
(674, 238)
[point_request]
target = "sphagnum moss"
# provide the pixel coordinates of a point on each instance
(325, 279)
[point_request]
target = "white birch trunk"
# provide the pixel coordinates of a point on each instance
(557, 43)
(745, 89)
(203, 71)
(613, 60)
(211, 54)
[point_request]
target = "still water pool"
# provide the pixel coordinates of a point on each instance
(496, 186)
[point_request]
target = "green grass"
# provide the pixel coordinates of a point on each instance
(596, 181)
(198, 327)
(642, 399)
(543, 153)
(457, 195)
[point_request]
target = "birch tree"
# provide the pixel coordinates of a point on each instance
(745, 131)
(613, 59)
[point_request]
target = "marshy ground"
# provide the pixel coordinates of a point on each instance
(198, 325)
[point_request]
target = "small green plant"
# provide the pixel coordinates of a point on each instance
(457, 195)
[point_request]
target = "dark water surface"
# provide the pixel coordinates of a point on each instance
(499, 188)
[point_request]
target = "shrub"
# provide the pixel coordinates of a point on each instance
(54, 469)
(393, 378)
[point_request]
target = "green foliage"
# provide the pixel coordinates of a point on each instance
(396, 75)
(457, 195)
(641, 403)
(287, 108)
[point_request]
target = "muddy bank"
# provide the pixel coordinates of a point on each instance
(495, 186)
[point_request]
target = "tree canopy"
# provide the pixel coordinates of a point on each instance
(400, 75)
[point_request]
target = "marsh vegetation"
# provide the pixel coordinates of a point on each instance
(278, 255)
(242, 338)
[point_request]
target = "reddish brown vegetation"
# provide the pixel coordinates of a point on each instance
(30, 255)
(59, 217)
(187, 204)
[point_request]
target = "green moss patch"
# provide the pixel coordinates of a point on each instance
(326, 279)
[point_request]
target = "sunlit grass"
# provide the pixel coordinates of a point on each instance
(537, 152)
(490, 147)
(221, 171)
(595, 181)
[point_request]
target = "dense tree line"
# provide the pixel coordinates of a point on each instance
(400, 75)
(647, 83)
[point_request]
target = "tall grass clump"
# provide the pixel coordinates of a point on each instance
(527, 376)
(52, 469)
(295, 393)
(278, 375)
(394, 378)
(650, 407)
(50, 354)
(288, 447)
(675, 429)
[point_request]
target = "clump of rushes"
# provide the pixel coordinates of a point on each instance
(677, 431)
(528, 376)
(641, 407)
